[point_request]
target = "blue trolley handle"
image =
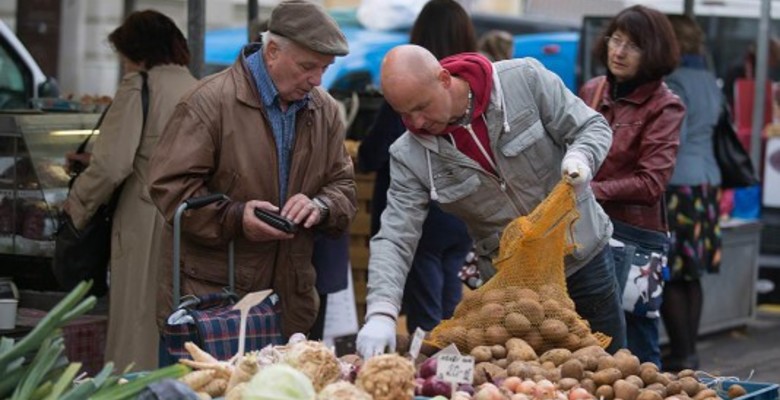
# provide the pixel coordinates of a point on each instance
(194, 204)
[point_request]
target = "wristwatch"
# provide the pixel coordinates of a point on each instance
(324, 210)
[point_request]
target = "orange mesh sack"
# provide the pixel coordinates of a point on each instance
(527, 297)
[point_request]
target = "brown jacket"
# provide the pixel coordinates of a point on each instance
(219, 140)
(645, 136)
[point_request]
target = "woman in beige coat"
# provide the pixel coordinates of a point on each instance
(146, 42)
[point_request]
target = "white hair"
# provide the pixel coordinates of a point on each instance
(280, 40)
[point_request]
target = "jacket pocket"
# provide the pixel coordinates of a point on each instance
(451, 191)
(533, 144)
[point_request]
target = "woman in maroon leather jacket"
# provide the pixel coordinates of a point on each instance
(639, 48)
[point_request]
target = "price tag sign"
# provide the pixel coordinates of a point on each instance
(455, 368)
(417, 340)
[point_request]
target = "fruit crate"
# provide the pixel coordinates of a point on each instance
(755, 390)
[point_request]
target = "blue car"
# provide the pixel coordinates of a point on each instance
(359, 70)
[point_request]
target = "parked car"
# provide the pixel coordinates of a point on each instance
(21, 79)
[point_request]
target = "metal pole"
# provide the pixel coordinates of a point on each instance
(196, 25)
(688, 10)
(762, 69)
(253, 11)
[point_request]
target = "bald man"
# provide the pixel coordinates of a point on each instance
(488, 142)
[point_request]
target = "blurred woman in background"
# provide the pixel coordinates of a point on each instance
(638, 49)
(693, 197)
(148, 43)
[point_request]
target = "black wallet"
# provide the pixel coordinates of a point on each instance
(275, 220)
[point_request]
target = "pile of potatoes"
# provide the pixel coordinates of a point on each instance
(545, 319)
(602, 375)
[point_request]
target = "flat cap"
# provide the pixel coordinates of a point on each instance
(309, 25)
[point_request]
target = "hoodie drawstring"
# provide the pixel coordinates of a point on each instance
(434, 195)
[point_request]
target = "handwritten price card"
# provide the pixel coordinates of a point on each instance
(455, 368)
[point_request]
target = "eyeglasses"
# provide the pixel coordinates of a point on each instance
(615, 44)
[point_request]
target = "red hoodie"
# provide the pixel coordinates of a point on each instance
(477, 70)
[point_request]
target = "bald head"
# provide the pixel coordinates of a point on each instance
(408, 68)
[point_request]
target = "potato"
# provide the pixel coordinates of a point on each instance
(535, 340)
(552, 374)
(648, 364)
(635, 380)
(495, 296)
(491, 313)
(476, 337)
(571, 342)
(481, 354)
(673, 388)
(556, 356)
(501, 363)
(625, 390)
(498, 351)
(648, 376)
(689, 385)
(588, 385)
(607, 377)
(608, 362)
(705, 394)
(519, 350)
(525, 293)
(664, 378)
(496, 335)
(605, 392)
(647, 394)
(551, 308)
(455, 334)
(572, 369)
(736, 390)
(567, 383)
(517, 324)
(660, 388)
(553, 330)
(592, 351)
(686, 372)
(567, 303)
(532, 310)
(519, 369)
(628, 364)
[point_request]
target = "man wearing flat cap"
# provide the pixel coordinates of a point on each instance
(264, 133)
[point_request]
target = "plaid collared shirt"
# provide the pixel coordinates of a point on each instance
(282, 122)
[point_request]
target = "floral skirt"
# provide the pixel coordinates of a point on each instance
(695, 231)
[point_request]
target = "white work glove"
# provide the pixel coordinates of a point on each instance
(377, 334)
(575, 168)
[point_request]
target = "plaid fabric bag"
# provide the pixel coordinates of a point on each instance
(210, 322)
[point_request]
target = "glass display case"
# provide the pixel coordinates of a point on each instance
(33, 181)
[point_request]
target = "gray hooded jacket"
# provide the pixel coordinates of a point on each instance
(533, 120)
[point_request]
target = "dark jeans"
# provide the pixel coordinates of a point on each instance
(642, 338)
(594, 290)
(433, 288)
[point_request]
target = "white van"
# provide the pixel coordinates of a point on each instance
(21, 79)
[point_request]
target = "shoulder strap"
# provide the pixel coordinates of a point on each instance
(594, 103)
(144, 105)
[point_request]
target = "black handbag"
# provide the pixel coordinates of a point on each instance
(736, 168)
(84, 254)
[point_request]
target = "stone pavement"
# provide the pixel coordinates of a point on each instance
(739, 352)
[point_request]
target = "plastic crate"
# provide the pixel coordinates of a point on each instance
(755, 390)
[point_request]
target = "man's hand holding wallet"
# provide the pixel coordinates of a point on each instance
(263, 221)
